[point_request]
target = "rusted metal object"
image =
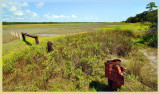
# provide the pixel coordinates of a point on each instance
(50, 46)
(113, 71)
(33, 36)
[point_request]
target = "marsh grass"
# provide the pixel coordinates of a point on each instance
(63, 28)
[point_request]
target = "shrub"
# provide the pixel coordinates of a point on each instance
(75, 58)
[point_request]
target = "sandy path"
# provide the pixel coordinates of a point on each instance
(152, 56)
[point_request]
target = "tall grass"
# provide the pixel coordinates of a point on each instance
(139, 66)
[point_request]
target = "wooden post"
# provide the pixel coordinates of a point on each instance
(20, 36)
(23, 36)
(16, 35)
(37, 41)
(50, 46)
(33, 36)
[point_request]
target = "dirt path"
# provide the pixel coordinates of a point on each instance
(152, 56)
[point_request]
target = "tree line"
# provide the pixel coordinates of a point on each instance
(150, 38)
(150, 15)
(9, 23)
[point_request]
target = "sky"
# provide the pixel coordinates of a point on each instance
(71, 10)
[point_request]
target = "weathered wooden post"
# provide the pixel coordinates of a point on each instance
(113, 71)
(23, 36)
(36, 39)
(16, 35)
(20, 36)
(33, 36)
(50, 46)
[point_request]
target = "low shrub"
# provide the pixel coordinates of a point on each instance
(75, 58)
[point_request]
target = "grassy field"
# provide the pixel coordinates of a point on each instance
(12, 44)
(51, 28)
(77, 62)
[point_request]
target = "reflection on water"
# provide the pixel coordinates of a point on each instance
(46, 34)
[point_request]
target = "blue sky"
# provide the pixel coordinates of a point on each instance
(72, 10)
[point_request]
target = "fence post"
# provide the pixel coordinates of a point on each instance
(16, 35)
(23, 36)
(33, 36)
(37, 41)
(50, 46)
(20, 36)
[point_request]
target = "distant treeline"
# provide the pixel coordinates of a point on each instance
(9, 23)
(150, 37)
(146, 16)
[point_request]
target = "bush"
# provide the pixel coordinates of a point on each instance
(150, 38)
(145, 16)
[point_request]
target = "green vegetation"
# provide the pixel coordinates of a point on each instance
(11, 44)
(80, 50)
(147, 16)
(150, 6)
(77, 63)
(151, 16)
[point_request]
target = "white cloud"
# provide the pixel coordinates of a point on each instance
(19, 13)
(73, 16)
(28, 11)
(12, 8)
(62, 16)
(55, 16)
(19, 18)
(4, 5)
(24, 4)
(90, 18)
(18, 4)
(34, 14)
(39, 5)
(47, 16)
(58, 16)
(15, 7)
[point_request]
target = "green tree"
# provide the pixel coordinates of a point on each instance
(150, 6)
